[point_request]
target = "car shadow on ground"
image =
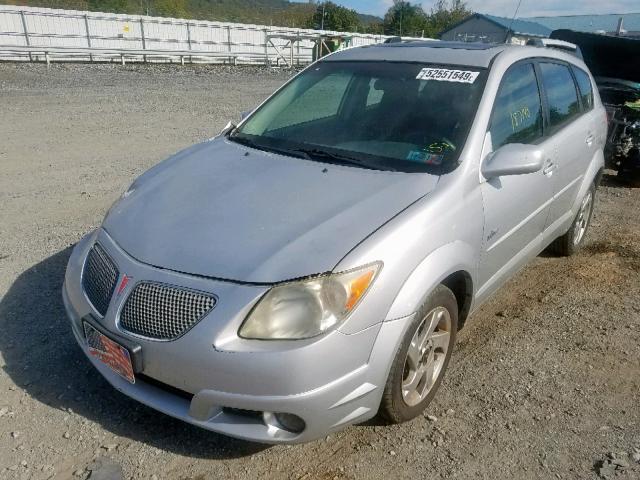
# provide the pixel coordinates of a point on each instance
(42, 358)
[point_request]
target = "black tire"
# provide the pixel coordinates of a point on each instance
(393, 406)
(566, 245)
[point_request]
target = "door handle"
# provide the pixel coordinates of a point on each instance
(590, 138)
(549, 169)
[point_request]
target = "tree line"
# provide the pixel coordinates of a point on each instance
(403, 18)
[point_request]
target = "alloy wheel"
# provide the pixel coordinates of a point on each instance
(582, 222)
(426, 356)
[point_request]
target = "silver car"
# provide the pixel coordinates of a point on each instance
(310, 267)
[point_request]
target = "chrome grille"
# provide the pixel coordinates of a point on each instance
(163, 312)
(99, 278)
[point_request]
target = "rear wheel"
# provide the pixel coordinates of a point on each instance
(570, 242)
(422, 358)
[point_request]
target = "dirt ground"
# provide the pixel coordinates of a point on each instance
(544, 382)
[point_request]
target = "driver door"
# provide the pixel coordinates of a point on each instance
(516, 207)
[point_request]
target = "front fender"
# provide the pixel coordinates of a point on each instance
(432, 270)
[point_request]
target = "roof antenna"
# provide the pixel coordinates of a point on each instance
(515, 14)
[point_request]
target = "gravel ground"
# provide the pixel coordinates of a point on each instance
(544, 382)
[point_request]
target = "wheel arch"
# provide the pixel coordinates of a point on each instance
(461, 284)
(592, 176)
(452, 265)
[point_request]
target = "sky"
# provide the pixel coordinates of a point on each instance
(506, 8)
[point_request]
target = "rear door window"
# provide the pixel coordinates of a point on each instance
(517, 114)
(562, 96)
(585, 87)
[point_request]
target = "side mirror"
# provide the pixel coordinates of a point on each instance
(513, 159)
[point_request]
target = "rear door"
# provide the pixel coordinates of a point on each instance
(594, 120)
(572, 137)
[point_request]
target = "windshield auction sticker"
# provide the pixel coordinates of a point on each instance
(446, 75)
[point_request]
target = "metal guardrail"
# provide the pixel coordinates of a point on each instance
(48, 53)
(52, 34)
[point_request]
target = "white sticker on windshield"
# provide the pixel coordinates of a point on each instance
(446, 75)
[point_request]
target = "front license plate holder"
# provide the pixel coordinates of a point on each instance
(112, 353)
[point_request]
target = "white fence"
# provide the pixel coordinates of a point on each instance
(29, 33)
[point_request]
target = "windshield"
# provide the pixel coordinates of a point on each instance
(390, 116)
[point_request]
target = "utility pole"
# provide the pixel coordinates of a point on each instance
(323, 14)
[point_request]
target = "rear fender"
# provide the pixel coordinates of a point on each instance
(593, 174)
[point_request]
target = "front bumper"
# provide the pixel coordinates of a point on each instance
(213, 379)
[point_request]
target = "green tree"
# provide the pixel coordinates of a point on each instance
(334, 17)
(374, 27)
(169, 8)
(116, 6)
(444, 14)
(405, 18)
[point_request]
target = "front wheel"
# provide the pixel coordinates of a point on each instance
(422, 358)
(569, 243)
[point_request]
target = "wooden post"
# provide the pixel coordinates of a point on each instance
(86, 27)
(266, 48)
(144, 42)
(26, 33)
(229, 43)
(291, 43)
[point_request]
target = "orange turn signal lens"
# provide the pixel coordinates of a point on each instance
(357, 287)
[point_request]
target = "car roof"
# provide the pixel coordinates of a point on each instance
(468, 54)
(428, 51)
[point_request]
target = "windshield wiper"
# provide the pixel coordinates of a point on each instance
(247, 142)
(316, 154)
(333, 157)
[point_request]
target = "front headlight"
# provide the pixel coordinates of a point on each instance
(308, 308)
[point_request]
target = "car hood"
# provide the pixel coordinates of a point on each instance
(222, 210)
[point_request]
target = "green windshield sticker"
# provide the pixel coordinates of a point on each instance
(440, 147)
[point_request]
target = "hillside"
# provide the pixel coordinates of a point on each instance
(263, 12)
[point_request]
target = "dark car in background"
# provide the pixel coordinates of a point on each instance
(615, 64)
